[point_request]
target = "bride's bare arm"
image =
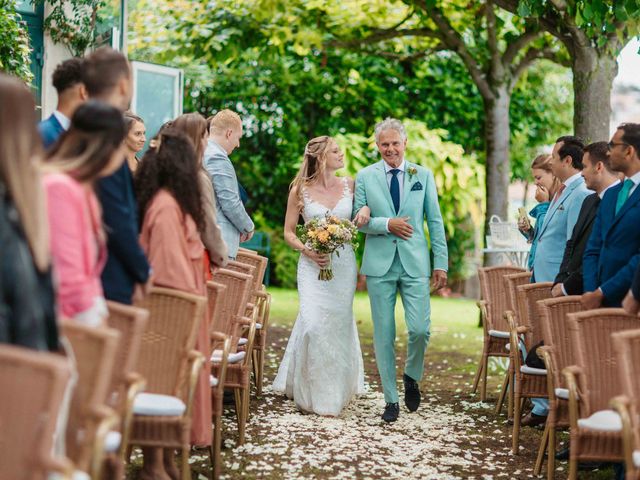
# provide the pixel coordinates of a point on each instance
(290, 223)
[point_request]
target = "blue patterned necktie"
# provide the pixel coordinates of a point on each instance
(394, 188)
(623, 194)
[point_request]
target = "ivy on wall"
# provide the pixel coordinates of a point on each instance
(14, 42)
(73, 23)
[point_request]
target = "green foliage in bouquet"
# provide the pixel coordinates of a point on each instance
(459, 179)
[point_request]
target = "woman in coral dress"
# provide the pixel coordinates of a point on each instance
(169, 200)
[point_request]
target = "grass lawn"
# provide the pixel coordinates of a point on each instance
(454, 322)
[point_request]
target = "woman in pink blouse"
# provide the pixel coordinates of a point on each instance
(172, 218)
(90, 149)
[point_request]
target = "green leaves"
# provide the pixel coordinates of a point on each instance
(14, 42)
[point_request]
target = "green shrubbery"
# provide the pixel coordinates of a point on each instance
(14, 42)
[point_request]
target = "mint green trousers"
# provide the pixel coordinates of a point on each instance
(414, 293)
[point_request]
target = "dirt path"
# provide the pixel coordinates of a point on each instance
(452, 435)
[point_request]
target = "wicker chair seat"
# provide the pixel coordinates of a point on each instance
(533, 371)
(112, 441)
(602, 421)
(597, 445)
(160, 431)
(157, 405)
(237, 375)
(237, 357)
(496, 347)
(498, 334)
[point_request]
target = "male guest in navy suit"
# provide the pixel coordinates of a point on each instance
(107, 76)
(598, 177)
(67, 80)
(611, 257)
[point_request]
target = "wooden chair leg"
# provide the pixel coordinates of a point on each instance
(240, 412)
(544, 444)
(573, 468)
(503, 392)
(512, 385)
(476, 380)
(185, 470)
(128, 454)
(237, 394)
(260, 376)
(483, 387)
(551, 454)
(515, 437)
(216, 446)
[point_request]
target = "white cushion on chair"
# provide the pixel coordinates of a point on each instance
(237, 357)
(499, 334)
(258, 326)
(563, 393)
(603, 421)
(507, 347)
(112, 441)
(213, 381)
(80, 475)
(154, 404)
(636, 458)
(243, 341)
(532, 371)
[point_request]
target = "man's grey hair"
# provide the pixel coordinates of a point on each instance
(390, 124)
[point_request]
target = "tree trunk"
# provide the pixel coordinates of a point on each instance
(497, 136)
(593, 75)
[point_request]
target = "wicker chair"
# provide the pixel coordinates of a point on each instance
(230, 321)
(90, 417)
(627, 348)
(33, 385)
(131, 322)
(220, 342)
(529, 382)
(495, 328)
(171, 366)
(557, 354)
(511, 282)
(595, 429)
(262, 301)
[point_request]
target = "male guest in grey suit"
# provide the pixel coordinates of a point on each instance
(225, 133)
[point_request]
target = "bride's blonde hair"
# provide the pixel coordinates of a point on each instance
(313, 164)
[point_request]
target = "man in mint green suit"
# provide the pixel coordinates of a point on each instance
(401, 196)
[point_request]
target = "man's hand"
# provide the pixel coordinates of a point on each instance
(438, 280)
(400, 227)
(630, 304)
(245, 237)
(556, 291)
(591, 300)
(363, 216)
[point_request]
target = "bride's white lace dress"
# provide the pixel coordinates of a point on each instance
(322, 367)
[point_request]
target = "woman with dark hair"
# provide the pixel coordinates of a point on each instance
(91, 149)
(136, 137)
(169, 198)
(27, 310)
(196, 128)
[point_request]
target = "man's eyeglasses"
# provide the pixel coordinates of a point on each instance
(611, 145)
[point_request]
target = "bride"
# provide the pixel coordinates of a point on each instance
(322, 367)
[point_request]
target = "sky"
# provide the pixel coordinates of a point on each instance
(629, 65)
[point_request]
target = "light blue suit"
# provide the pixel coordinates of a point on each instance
(394, 265)
(231, 215)
(557, 229)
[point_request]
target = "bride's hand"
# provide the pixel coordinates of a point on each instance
(322, 260)
(363, 216)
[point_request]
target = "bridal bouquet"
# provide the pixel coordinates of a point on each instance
(325, 235)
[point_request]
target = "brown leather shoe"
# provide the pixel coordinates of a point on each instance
(533, 420)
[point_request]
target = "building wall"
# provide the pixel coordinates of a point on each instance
(53, 55)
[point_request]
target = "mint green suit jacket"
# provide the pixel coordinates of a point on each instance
(419, 202)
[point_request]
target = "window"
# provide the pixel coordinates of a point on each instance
(157, 94)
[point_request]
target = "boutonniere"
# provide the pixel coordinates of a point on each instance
(412, 171)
